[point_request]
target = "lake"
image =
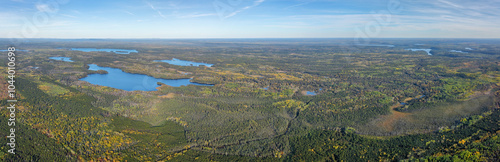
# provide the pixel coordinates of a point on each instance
(117, 51)
(457, 51)
(117, 78)
(178, 62)
(376, 45)
(66, 59)
(426, 50)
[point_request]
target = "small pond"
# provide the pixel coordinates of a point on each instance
(457, 51)
(311, 93)
(66, 59)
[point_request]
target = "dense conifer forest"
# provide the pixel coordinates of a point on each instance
(270, 100)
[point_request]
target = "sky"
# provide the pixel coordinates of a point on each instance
(250, 19)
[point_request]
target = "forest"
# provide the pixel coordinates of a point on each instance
(271, 100)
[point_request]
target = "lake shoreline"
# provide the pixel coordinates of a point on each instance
(119, 79)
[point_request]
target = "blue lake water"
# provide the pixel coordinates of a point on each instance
(457, 51)
(469, 48)
(178, 62)
(310, 93)
(118, 79)
(117, 51)
(376, 45)
(66, 59)
(426, 50)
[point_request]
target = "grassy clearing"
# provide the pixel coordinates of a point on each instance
(52, 89)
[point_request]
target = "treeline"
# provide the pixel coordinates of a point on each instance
(30, 145)
(74, 104)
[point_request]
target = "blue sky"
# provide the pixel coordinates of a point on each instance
(250, 19)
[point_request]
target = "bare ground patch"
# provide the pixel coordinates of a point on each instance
(426, 120)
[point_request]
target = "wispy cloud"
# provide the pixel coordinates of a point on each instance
(9, 17)
(277, 18)
(297, 5)
(255, 4)
(76, 12)
(195, 15)
(66, 15)
(44, 8)
(462, 8)
(450, 4)
(444, 22)
(154, 8)
(60, 24)
(130, 13)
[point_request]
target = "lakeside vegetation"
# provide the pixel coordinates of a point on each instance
(372, 102)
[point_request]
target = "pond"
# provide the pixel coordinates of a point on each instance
(66, 59)
(178, 62)
(116, 78)
(457, 51)
(311, 93)
(426, 50)
(117, 51)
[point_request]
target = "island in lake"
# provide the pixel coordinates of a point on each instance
(119, 79)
